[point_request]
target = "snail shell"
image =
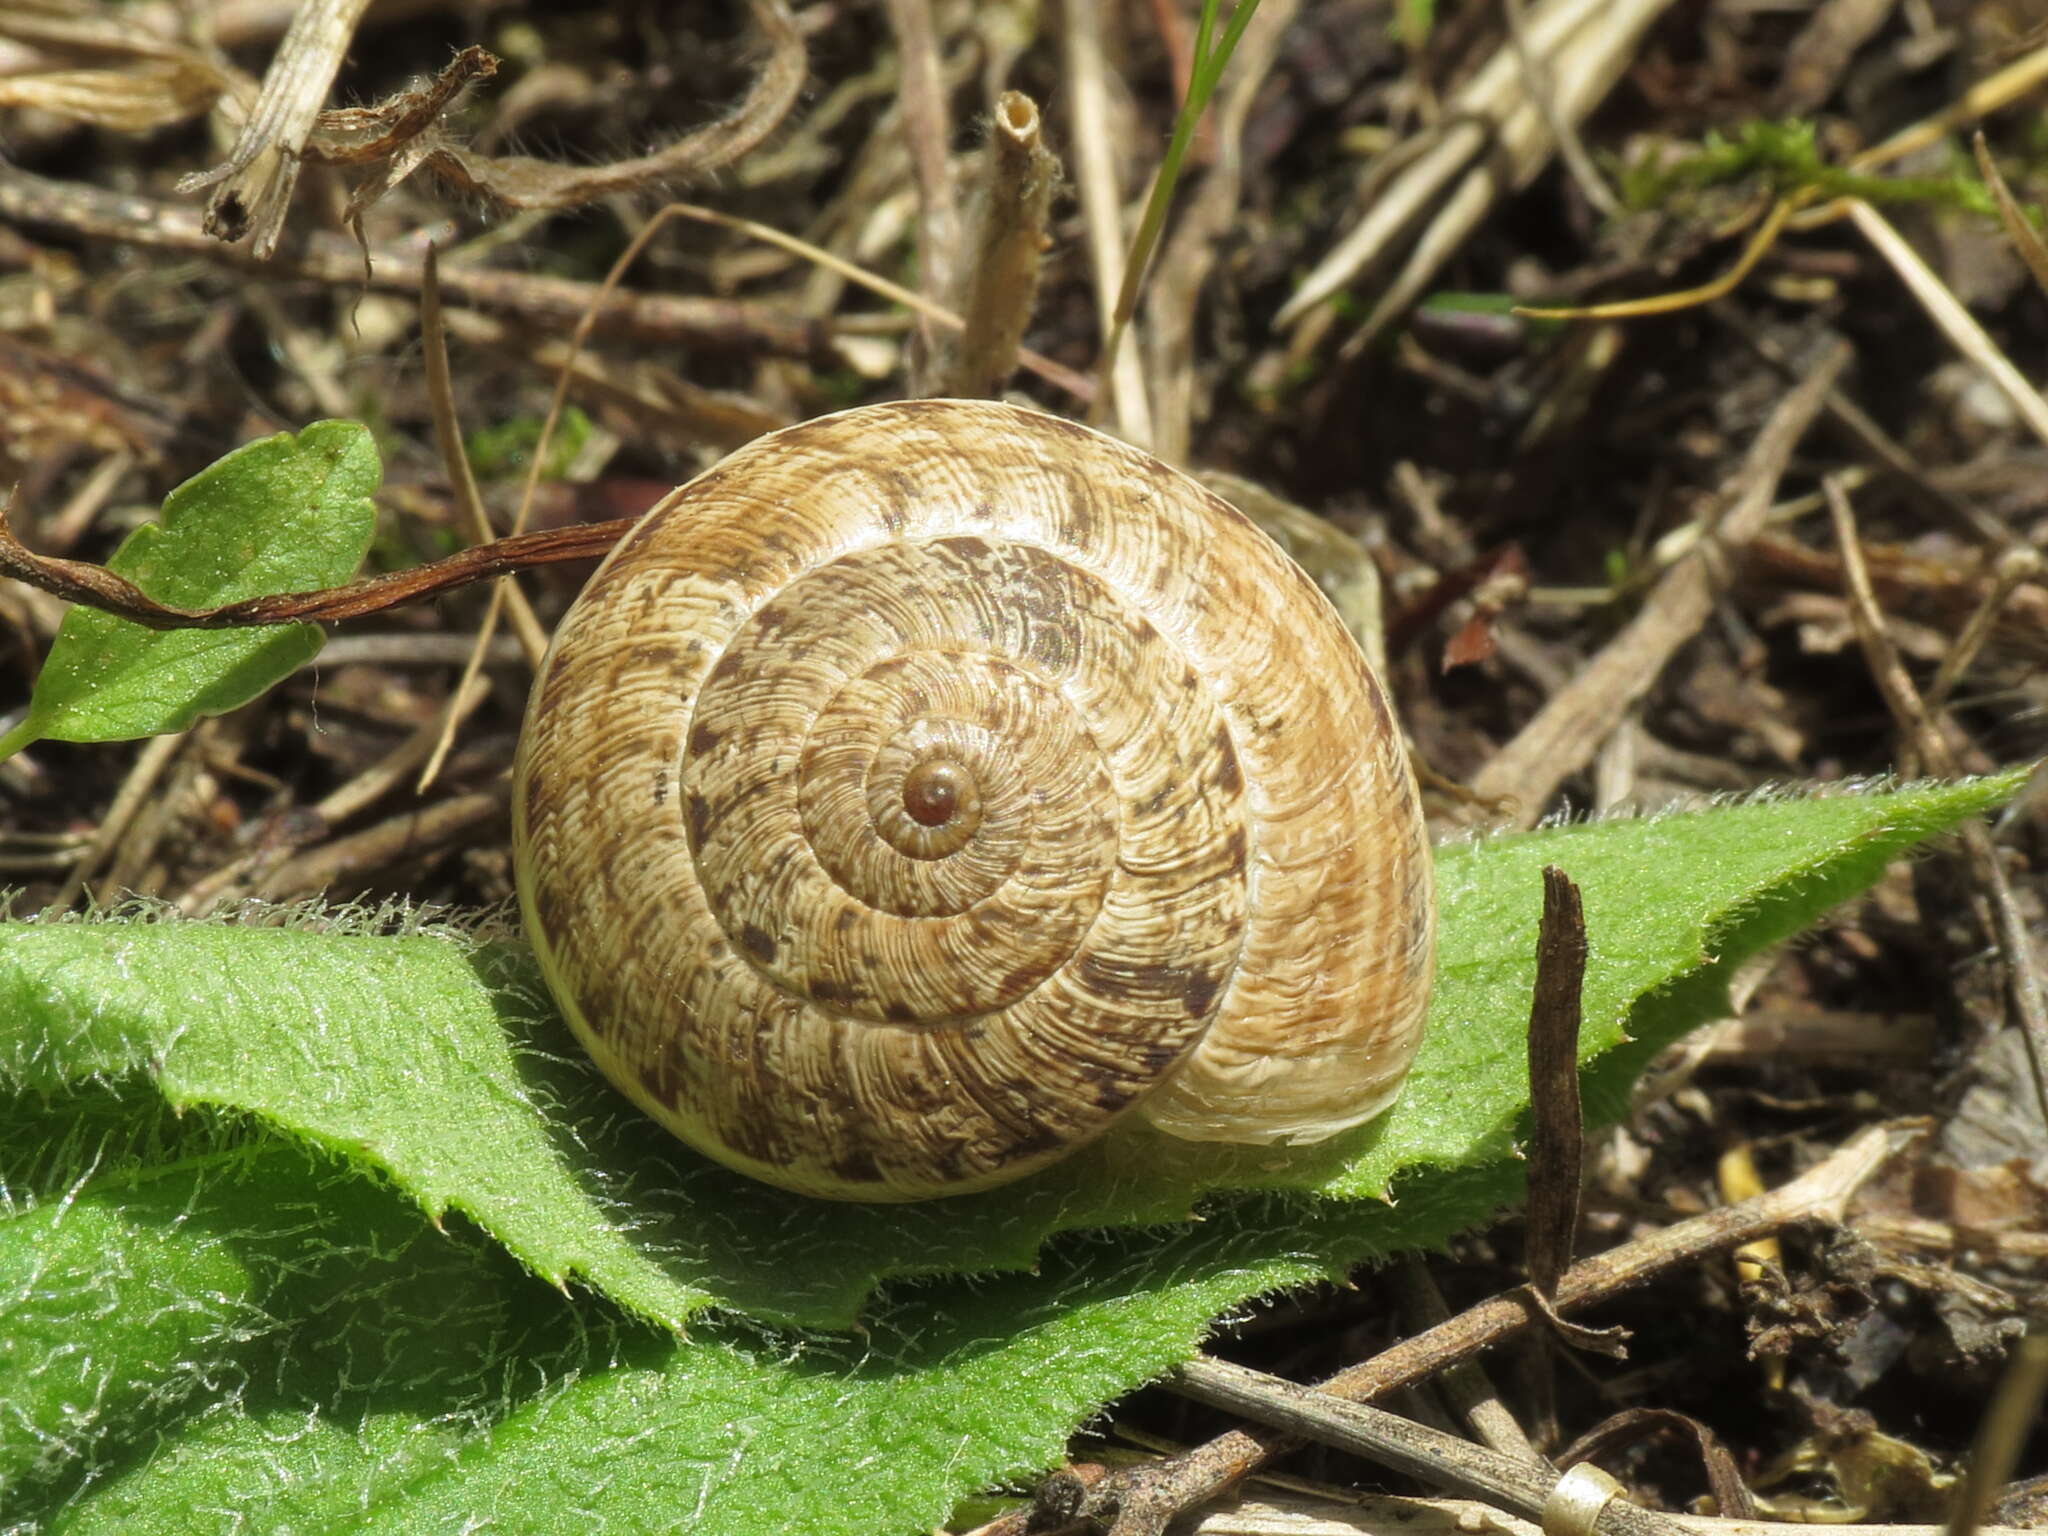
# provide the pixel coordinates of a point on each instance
(924, 788)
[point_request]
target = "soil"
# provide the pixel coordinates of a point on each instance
(1522, 488)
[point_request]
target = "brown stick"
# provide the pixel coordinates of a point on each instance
(1001, 281)
(323, 258)
(1429, 1454)
(1569, 729)
(2007, 924)
(1557, 1146)
(1149, 1496)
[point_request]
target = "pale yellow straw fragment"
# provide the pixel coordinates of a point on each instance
(1947, 312)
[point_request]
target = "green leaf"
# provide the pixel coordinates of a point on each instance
(213, 1327)
(403, 1384)
(285, 514)
(432, 1060)
(505, 448)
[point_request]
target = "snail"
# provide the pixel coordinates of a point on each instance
(924, 788)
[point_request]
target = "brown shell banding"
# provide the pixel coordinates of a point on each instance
(1194, 881)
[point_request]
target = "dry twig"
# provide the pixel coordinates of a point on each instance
(1102, 211)
(255, 181)
(1008, 235)
(721, 324)
(2007, 924)
(1569, 729)
(1506, 1482)
(1147, 1497)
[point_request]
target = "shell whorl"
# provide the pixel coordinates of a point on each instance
(923, 788)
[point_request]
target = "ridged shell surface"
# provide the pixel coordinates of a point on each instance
(924, 788)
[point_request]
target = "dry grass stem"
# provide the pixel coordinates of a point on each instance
(1926, 736)
(1562, 128)
(1156, 1493)
(1501, 1481)
(1980, 99)
(1929, 742)
(926, 134)
(254, 184)
(347, 863)
(1474, 117)
(1961, 514)
(1465, 1387)
(661, 403)
(441, 403)
(1077, 385)
(405, 650)
(2010, 1419)
(249, 870)
(1338, 1514)
(424, 742)
(135, 792)
(718, 324)
(1568, 730)
(2012, 570)
(455, 461)
(2025, 239)
(1184, 264)
(1093, 135)
(1008, 236)
(1956, 322)
(1583, 68)
(1760, 242)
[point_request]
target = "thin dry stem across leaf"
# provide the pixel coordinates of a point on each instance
(455, 459)
(77, 581)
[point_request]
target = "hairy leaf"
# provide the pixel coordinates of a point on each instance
(431, 1059)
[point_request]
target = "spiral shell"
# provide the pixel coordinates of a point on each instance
(925, 787)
